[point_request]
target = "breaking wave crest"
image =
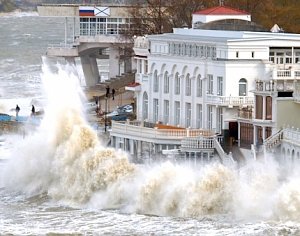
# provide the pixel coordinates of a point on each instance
(66, 160)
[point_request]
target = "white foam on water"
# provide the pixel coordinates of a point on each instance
(65, 159)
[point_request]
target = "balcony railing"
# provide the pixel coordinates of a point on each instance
(286, 74)
(229, 101)
(245, 113)
(139, 130)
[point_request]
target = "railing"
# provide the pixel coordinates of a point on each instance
(226, 158)
(138, 129)
(287, 134)
(197, 143)
(288, 73)
(245, 113)
(274, 86)
(61, 45)
(229, 101)
(273, 141)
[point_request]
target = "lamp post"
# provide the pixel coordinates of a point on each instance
(105, 116)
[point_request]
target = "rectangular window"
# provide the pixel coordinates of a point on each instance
(209, 117)
(145, 67)
(268, 108)
(166, 111)
(166, 83)
(259, 107)
(177, 84)
(188, 86)
(252, 54)
(140, 63)
(199, 116)
(237, 54)
(188, 114)
(210, 85)
(220, 86)
(199, 87)
(219, 120)
(155, 110)
(177, 113)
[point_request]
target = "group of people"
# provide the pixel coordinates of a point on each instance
(18, 110)
(113, 92)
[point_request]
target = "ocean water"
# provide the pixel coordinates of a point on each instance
(60, 179)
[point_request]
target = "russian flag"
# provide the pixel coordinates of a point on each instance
(86, 11)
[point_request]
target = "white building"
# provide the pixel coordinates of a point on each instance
(201, 78)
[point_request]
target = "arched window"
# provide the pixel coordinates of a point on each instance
(155, 82)
(166, 82)
(199, 86)
(177, 84)
(145, 106)
(188, 85)
(243, 87)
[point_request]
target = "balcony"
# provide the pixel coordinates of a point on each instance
(246, 113)
(151, 133)
(229, 101)
(269, 86)
(279, 74)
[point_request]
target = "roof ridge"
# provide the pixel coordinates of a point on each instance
(220, 10)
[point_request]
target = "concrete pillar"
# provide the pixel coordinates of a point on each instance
(131, 146)
(90, 70)
(128, 61)
(254, 135)
(139, 148)
(264, 108)
(114, 62)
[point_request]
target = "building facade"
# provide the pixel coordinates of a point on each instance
(235, 82)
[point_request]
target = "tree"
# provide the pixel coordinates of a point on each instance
(7, 5)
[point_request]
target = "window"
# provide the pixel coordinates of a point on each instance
(199, 86)
(210, 85)
(220, 86)
(252, 54)
(177, 84)
(155, 82)
(219, 120)
(188, 115)
(145, 106)
(209, 116)
(155, 110)
(268, 108)
(258, 107)
(177, 113)
(188, 85)
(145, 67)
(237, 54)
(199, 116)
(166, 111)
(140, 66)
(166, 82)
(243, 87)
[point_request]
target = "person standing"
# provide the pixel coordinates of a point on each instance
(17, 111)
(33, 110)
(113, 92)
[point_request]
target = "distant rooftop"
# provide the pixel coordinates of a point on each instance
(221, 10)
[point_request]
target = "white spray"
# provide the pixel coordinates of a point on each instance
(65, 159)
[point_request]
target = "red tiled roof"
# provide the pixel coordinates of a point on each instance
(221, 10)
(134, 84)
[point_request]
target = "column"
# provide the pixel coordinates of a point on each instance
(90, 70)
(264, 108)
(114, 62)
